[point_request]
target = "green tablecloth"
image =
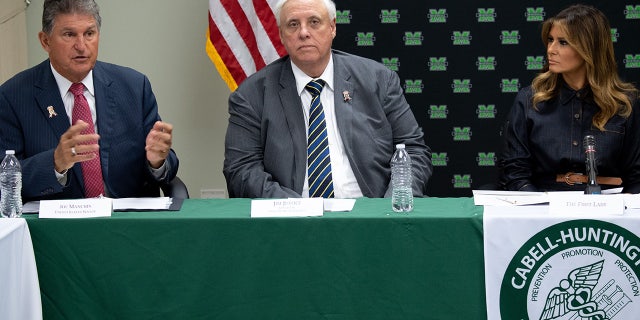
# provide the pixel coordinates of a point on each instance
(212, 261)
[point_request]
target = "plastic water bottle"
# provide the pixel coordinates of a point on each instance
(10, 186)
(401, 180)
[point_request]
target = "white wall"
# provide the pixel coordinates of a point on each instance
(13, 28)
(165, 39)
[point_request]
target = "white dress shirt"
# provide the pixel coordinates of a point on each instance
(345, 184)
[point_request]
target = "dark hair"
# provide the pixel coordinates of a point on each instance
(53, 8)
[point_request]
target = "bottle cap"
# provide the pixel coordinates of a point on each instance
(400, 146)
(10, 152)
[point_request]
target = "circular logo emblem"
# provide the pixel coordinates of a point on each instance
(579, 269)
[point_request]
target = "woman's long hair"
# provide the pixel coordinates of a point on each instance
(588, 32)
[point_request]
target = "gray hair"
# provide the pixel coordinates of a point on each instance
(53, 8)
(329, 4)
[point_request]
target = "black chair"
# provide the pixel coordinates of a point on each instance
(490, 186)
(175, 189)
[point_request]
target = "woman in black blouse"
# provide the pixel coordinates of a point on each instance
(577, 93)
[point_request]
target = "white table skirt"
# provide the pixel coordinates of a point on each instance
(19, 288)
(537, 262)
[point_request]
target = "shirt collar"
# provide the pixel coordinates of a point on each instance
(302, 78)
(567, 93)
(64, 84)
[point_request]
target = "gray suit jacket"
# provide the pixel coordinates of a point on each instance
(266, 144)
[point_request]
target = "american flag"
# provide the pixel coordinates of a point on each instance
(242, 37)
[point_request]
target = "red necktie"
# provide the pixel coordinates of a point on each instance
(91, 170)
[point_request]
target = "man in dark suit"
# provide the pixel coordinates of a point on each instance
(120, 148)
(365, 112)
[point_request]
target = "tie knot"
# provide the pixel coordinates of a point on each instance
(315, 86)
(77, 89)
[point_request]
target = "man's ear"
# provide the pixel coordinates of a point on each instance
(44, 40)
(333, 27)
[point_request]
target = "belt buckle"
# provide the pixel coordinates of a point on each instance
(567, 178)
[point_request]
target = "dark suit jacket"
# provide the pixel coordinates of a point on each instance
(126, 111)
(266, 144)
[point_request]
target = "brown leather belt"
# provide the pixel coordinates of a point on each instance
(572, 178)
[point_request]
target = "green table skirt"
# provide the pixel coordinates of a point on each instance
(212, 261)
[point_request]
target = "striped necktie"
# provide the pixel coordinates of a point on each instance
(91, 169)
(318, 160)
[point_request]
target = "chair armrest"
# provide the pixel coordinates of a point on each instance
(175, 189)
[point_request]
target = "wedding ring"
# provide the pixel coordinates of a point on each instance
(73, 151)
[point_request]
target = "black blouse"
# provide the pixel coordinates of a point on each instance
(539, 144)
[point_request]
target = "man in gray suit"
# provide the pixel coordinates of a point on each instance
(365, 113)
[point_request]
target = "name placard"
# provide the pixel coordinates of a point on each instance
(298, 207)
(561, 203)
(76, 208)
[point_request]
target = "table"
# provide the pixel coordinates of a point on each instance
(19, 289)
(212, 261)
(561, 265)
